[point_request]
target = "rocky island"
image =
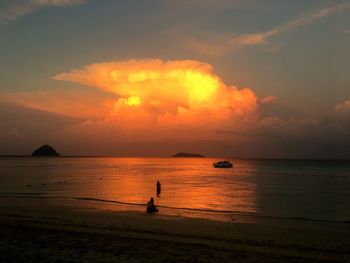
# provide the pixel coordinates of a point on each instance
(45, 150)
(193, 155)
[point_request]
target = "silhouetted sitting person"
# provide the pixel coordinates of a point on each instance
(151, 208)
(159, 188)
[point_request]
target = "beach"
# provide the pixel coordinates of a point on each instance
(35, 229)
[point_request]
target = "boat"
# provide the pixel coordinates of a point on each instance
(223, 164)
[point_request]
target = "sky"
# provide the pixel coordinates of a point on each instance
(226, 78)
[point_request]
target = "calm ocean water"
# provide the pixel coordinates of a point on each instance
(318, 190)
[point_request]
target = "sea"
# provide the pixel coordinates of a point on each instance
(316, 190)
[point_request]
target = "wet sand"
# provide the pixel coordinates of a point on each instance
(39, 230)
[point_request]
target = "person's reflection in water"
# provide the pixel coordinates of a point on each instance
(159, 188)
(151, 207)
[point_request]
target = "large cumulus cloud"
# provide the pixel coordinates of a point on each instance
(153, 95)
(156, 107)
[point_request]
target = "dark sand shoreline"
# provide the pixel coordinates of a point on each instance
(43, 231)
(217, 215)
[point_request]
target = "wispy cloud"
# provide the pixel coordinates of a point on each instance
(212, 3)
(12, 9)
(261, 38)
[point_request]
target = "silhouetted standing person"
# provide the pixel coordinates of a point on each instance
(159, 188)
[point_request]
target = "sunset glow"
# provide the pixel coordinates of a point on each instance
(174, 130)
(133, 101)
(216, 77)
(155, 93)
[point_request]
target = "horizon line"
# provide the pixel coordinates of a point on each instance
(203, 157)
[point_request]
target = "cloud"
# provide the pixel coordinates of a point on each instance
(342, 108)
(23, 128)
(261, 38)
(335, 122)
(300, 137)
(141, 102)
(263, 137)
(12, 9)
(338, 119)
(156, 107)
(75, 103)
(268, 100)
(168, 96)
(212, 3)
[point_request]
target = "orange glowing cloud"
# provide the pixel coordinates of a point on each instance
(162, 95)
(87, 104)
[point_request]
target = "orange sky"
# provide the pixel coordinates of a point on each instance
(126, 107)
(233, 78)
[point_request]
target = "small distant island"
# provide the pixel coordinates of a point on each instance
(193, 155)
(45, 150)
